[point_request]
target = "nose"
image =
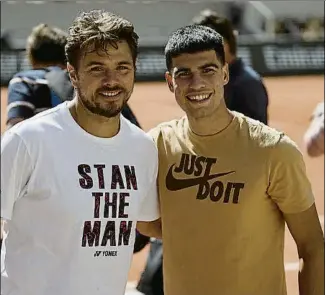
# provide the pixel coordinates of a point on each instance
(197, 82)
(110, 79)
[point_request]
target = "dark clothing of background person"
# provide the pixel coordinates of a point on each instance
(245, 92)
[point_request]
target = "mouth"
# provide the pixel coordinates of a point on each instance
(110, 94)
(199, 97)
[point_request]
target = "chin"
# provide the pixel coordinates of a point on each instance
(111, 112)
(104, 111)
(202, 113)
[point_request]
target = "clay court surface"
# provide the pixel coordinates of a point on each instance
(292, 100)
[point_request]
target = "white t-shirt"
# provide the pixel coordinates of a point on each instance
(72, 201)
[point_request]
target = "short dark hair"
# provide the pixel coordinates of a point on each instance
(220, 24)
(192, 39)
(46, 45)
(99, 28)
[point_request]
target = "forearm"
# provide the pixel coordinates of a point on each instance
(1, 232)
(312, 274)
(151, 229)
(315, 143)
(2, 228)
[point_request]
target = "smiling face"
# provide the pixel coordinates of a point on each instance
(197, 80)
(104, 81)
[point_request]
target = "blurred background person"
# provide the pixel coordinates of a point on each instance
(28, 91)
(314, 137)
(47, 83)
(313, 29)
(245, 92)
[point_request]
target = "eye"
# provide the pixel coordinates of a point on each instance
(208, 71)
(183, 74)
(123, 68)
(96, 69)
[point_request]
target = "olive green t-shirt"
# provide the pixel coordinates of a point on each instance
(222, 199)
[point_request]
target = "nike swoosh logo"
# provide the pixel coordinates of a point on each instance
(174, 184)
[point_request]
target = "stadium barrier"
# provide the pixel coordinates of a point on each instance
(280, 58)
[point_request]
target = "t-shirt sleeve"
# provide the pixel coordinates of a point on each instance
(16, 168)
(21, 102)
(154, 134)
(289, 186)
(149, 209)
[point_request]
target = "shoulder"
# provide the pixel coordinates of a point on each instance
(264, 136)
(167, 130)
(287, 149)
(32, 134)
(139, 136)
(35, 126)
(252, 74)
(276, 144)
(249, 75)
(29, 77)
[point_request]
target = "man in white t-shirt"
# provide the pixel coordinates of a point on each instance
(77, 179)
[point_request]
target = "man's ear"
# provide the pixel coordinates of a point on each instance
(72, 74)
(168, 79)
(226, 76)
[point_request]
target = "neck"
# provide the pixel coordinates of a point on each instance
(95, 125)
(213, 124)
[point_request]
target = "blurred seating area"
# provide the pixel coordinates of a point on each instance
(308, 29)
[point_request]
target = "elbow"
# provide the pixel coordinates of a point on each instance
(313, 150)
(314, 250)
(314, 140)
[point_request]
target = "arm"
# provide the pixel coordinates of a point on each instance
(316, 143)
(149, 222)
(1, 233)
(252, 100)
(2, 228)
(151, 229)
(16, 169)
(308, 235)
(315, 135)
(20, 102)
(291, 190)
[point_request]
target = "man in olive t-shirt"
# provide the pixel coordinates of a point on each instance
(227, 185)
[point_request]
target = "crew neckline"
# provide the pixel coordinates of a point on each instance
(222, 134)
(79, 130)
